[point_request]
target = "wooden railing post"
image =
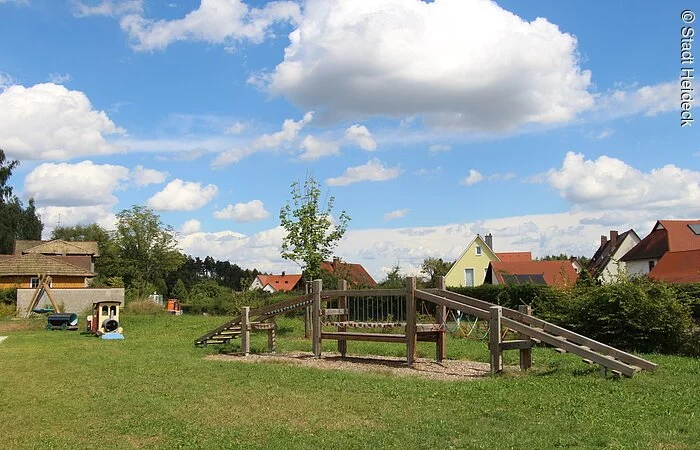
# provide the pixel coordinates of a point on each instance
(272, 336)
(525, 353)
(307, 314)
(316, 318)
(441, 319)
(411, 337)
(342, 304)
(495, 338)
(245, 330)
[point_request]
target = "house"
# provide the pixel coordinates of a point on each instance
(23, 271)
(277, 283)
(354, 274)
(678, 267)
(557, 273)
(606, 264)
(470, 268)
(76, 252)
(666, 236)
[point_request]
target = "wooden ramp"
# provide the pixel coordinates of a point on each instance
(232, 329)
(538, 330)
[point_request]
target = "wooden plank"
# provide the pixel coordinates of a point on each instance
(263, 326)
(316, 318)
(441, 318)
(525, 353)
(472, 311)
(343, 304)
(425, 327)
(263, 310)
(245, 327)
(372, 337)
(518, 344)
(552, 330)
(353, 324)
(365, 293)
(272, 337)
(428, 336)
(495, 339)
(334, 311)
(411, 320)
(603, 360)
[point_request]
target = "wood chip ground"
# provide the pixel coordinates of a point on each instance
(425, 368)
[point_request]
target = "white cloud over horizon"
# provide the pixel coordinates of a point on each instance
(373, 170)
(179, 195)
(244, 212)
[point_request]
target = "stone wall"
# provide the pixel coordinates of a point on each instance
(72, 300)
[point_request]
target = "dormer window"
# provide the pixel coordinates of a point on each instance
(478, 250)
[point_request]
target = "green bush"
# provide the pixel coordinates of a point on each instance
(211, 298)
(8, 302)
(144, 307)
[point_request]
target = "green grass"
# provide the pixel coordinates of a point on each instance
(155, 389)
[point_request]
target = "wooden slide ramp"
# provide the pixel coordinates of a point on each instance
(538, 330)
(232, 329)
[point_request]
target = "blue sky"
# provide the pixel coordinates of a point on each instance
(546, 123)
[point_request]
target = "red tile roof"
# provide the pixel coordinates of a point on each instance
(560, 273)
(354, 273)
(666, 236)
(514, 256)
(281, 283)
(678, 267)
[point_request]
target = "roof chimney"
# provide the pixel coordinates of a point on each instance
(613, 238)
(603, 240)
(489, 240)
(283, 273)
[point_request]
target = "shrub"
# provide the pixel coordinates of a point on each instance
(8, 302)
(144, 307)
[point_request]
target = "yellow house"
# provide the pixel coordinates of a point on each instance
(470, 268)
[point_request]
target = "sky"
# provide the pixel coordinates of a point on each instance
(545, 123)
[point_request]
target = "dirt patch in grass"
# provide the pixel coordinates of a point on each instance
(8, 326)
(424, 368)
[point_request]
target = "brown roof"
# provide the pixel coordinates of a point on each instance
(666, 236)
(514, 256)
(353, 273)
(559, 273)
(61, 247)
(678, 267)
(602, 256)
(36, 264)
(281, 283)
(21, 246)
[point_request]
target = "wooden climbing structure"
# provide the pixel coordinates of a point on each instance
(397, 308)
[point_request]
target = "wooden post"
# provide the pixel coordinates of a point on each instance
(307, 314)
(495, 338)
(525, 353)
(441, 318)
(272, 337)
(245, 330)
(316, 318)
(342, 304)
(411, 337)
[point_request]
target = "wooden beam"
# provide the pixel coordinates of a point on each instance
(472, 311)
(441, 318)
(245, 328)
(495, 339)
(316, 317)
(372, 337)
(517, 344)
(343, 317)
(411, 320)
(334, 311)
(365, 293)
(525, 353)
(272, 337)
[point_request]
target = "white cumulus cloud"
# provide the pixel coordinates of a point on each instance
(244, 212)
(360, 135)
(179, 195)
(373, 170)
(396, 214)
(314, 148)
(143, 176)
(106, 7)
(48, 121)
(215, 21)
(449, 61)
(474, 177)
(81, 184)
(191, 226)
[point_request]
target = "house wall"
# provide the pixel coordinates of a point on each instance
(256, 284)
(639, 267)
(57, 282)
(469, 259)
(615, 267)
(73, 300)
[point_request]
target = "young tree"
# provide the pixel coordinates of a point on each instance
(311, 237)
(16, 221)
(147, 248)
(434, 268)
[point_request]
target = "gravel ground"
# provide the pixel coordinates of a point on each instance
(425, 368)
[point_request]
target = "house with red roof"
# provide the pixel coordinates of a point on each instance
(354, 274)
(558, 273)
(677, 239)
(678, 267)
(277, 283)
(606, 264)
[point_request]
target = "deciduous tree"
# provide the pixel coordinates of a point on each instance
(16, 221)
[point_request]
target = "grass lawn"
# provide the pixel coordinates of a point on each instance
(155, 389)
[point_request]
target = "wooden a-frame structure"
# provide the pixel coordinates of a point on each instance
(44, 287)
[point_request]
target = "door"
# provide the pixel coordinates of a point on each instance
(469, 277)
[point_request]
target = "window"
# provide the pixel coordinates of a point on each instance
(478, 250)
(105, 311)
(34, 283)
(469, 277)
(695, 228)
(651, 265)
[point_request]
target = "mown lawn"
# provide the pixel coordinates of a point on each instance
(155, 389)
